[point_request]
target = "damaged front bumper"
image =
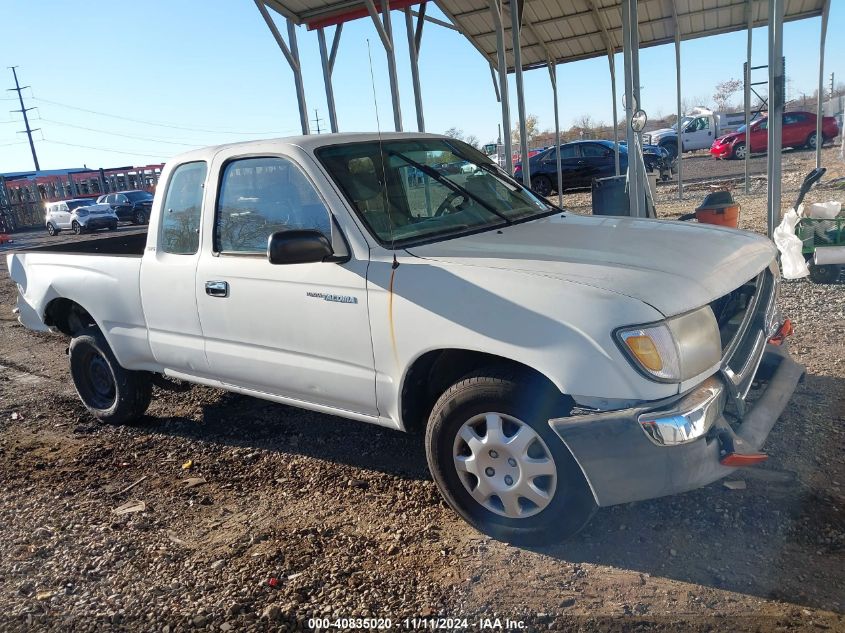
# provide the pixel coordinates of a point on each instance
(676, 444)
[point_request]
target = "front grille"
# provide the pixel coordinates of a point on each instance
(746, 318)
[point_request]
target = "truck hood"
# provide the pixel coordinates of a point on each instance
(666, 131)
(672, 266)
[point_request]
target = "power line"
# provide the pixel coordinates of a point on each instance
(137, 138)
(153, 123)
(317, 119)
(23, 111)
(104, 149)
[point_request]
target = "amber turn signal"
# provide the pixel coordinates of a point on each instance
(642, 347)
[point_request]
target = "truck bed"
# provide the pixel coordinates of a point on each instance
(123, 244)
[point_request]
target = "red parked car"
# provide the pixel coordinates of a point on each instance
(799, 130)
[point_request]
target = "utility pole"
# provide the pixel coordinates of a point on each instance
(317, 119)
(831, 85)
(23, 111)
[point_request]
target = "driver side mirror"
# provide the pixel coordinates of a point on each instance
(298, 246)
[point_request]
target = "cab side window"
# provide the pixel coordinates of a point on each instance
(180, 219)
(260, 196)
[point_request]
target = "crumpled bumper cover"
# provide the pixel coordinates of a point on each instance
(621, 464)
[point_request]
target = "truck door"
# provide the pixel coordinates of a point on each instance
(698, 134)
(299, 331)
(168, 274)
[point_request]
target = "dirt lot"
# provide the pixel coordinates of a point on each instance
(347, 521)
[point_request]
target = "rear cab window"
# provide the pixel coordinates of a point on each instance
(182, 210)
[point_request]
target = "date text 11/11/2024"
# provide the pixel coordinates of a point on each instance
(418, 624)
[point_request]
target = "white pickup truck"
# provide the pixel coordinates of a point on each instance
(554, 362)
(700, 127)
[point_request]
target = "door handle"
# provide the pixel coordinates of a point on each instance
(217, 288)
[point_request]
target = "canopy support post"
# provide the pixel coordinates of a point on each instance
(631, 49)
(820, 104)
(679, 144)
(776, 103)
(516, 27)
(414, 39)
(612, 63)
(292, 56)
(328, 69)
(553, 78)
(750, 7)
(385, 32)
(496, 11)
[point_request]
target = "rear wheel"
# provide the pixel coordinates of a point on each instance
(811, 141)
(497, 462)
(77, 228)
(739, 151)
(109, 392)
(541, 185)
(113, 227)
(51, 229)
(825, 274)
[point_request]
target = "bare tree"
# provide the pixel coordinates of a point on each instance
(724, 91)
(457, 133)
(532, 129)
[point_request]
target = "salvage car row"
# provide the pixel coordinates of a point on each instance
(81, 215)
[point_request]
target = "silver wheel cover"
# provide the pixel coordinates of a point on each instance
(505, 465)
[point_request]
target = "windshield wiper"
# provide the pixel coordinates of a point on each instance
(433, 173)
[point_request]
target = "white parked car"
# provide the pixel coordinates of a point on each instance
(79, 215)
(553, 363)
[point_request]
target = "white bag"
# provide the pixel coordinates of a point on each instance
(822, 210)
(789, 245)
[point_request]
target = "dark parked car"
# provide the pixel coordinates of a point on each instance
(581, 161)
(130, 206)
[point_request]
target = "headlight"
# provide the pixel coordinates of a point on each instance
(674, 350)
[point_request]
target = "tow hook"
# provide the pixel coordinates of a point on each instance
(783, 331)
(728, 454)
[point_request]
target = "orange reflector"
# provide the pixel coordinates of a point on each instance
(780, 336)
(643, 348)
(738, 460)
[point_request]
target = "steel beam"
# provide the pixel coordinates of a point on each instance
(553, 78)
(631, 49)
(327, 79)
(776, 103)
(820, 99)
(611, 60)
(750, 10)
(495, 83)
(679, 144)
(496, 12)
(385, 31)
(414, 54)
(292, 56)
(516, 27)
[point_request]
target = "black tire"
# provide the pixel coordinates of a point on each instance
(77, 228)
(112, 227)
(828, 274)
(520, 395)
(738, 151)
(541, 185)
(671, 147)
(111, 393)
(811, 141)
(51, 229)
(139, 217)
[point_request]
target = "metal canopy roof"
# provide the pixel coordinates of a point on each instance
(569, 30)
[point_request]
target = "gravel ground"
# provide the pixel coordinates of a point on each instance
(258, 516)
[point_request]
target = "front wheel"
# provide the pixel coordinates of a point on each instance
(77, 228)
(497, 462)
(739, 151)
(541, 185)
(672, 148)
(110, 393)
(51, 229)
(811, 141)
(139, 217)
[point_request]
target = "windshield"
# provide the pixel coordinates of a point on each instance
(138, 196)
(684, 121)
(412, 190)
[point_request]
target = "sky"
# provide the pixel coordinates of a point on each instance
(120, 83)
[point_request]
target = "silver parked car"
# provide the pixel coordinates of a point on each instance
(79, 215)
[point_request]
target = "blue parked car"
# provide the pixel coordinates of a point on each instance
(582, 161)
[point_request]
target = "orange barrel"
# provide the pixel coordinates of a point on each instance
(719, 208)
